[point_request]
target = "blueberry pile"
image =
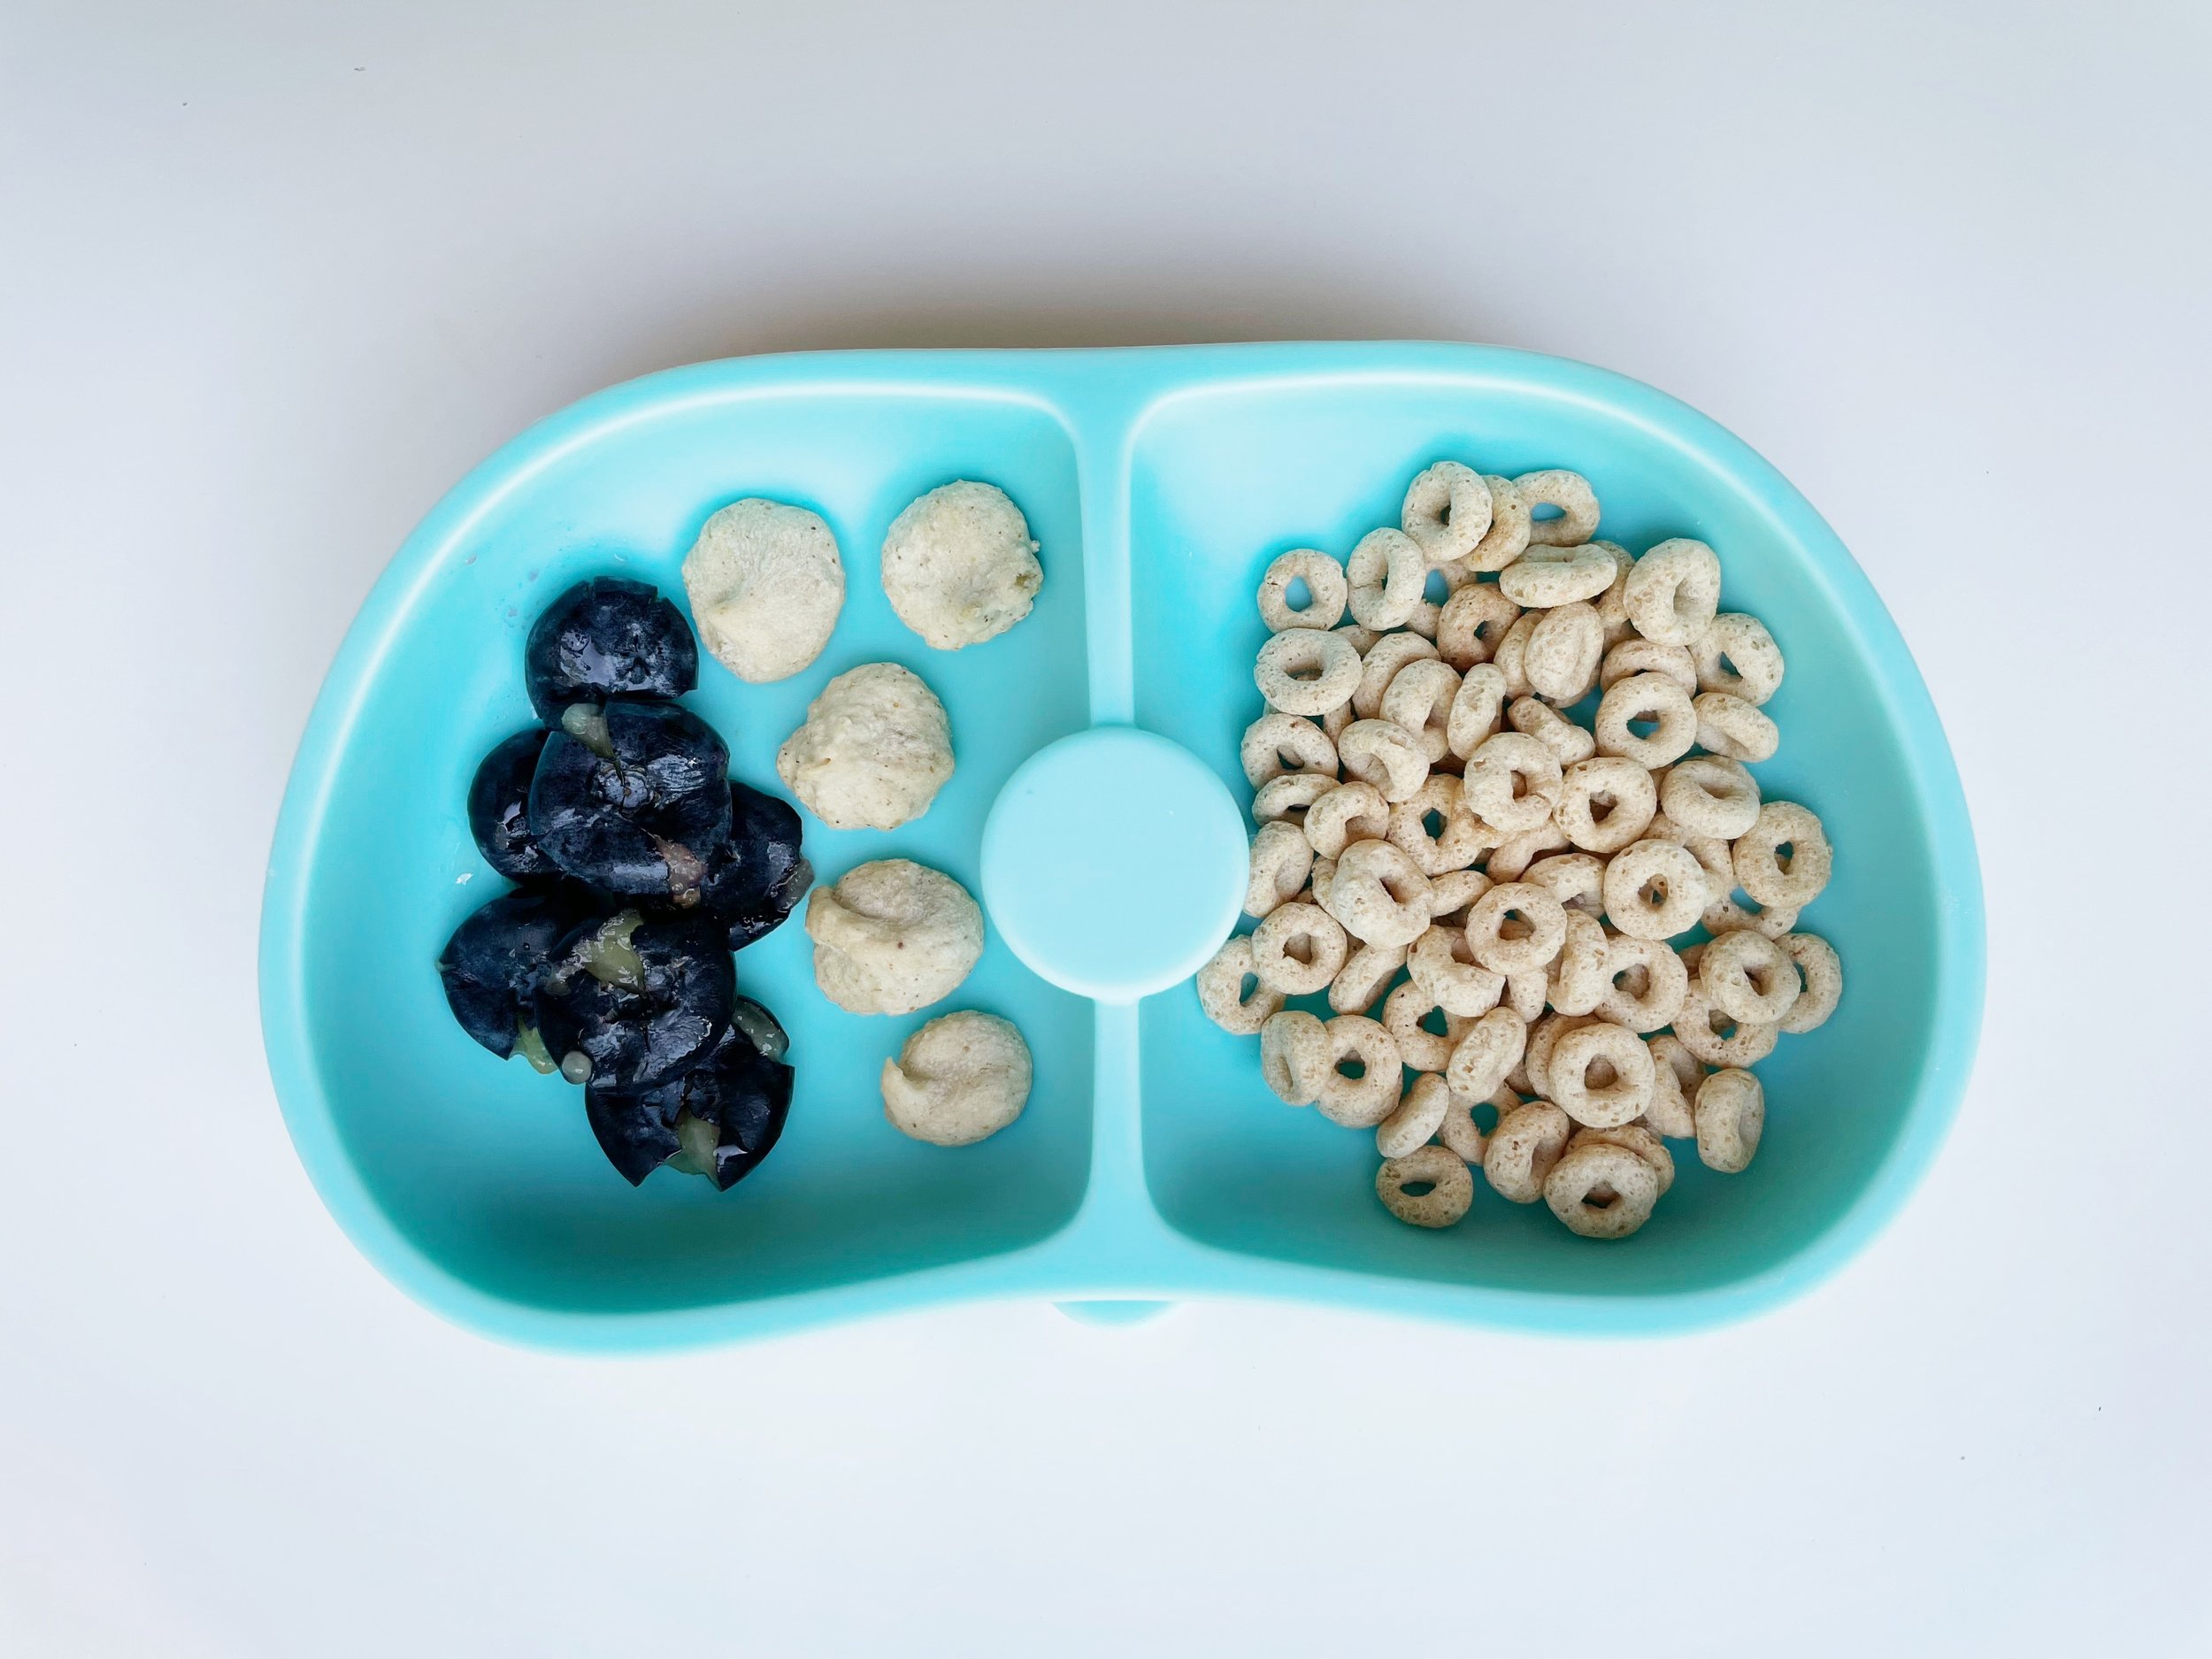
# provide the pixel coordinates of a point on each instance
(641, 867)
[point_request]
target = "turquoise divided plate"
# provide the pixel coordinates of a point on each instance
(1152, 1163)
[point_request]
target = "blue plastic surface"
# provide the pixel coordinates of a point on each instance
(1152, 1163)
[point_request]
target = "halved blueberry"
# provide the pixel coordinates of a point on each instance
(634, 798)
(720, 1118)
(608, 637)
(629, 1003)
(759, 875)
(492, 965)
(499, 809)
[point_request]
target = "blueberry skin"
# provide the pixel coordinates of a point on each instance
(492, 965)
(744, 1093)
(635, 1038)
(608, 637)
(499, 809)
(759, 875)
(616, 822)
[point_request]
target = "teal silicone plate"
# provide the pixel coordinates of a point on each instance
(1152, 1163)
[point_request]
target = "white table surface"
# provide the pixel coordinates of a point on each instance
(269, 284)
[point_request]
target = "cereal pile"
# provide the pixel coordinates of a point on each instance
(1581, 933)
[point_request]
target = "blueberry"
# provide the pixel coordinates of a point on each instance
(499, 809)
(492, 965)
(634, 798)
(629, 1003)
(720, 1118)
(753, 881)
(608, 638)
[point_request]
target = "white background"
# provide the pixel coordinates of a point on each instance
(270, 282)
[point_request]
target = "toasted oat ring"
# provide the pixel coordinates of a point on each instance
(1378, 894)
(1277, 742)
(1743, 642)
(1696, 1027)
(1731, 726)
(1472, 622)
(1523, 1149)
(1564, 650)
(1638, 1138)
(1543, 1036)
(1612, 604)
(1710, 794)
(1579, 980)
(1451, 1188)
(1325, 590)
(1602, 1191)
(1293, 1054)
(1576, 879)
(1423, 1050)
(1614, 1055)
(1463, 1134)
(1721, 914)
(1419, 1114)
(1618, 789)
(1388, 573)
(1749, 978)
(1287, 799)
(1419, 698)
(1652, 697)
(1514, 854)
(1655, 889)
(1280, 862)
(1515, 927)
(1645, 984)
(1446, 511)
(1361, 639)
(1571, 493)
(1384, 754)
(1674, 592)
(1511, 657)
(1760, 870)
(1360, 980)
(1547, 576)
(1491, 1047)
(1821, 971)
(1526, 994)
(1674, 1072)
(1511, 783)
(1222, 996)
(1448, 975)
(1348, 812)
(1507, 538)
(1442, 582)
(1305, 671)
(1361, 1101)
(1379, 665)
(1567, 742)
(1451, 893)
(1638, 656)
(1298, 948)
(1459, 839)
(1731, 1112)
(1473, 720)
(1336, 719)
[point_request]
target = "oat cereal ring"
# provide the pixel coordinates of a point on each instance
(1222, 996)
(1689, 956)
(1512, 782)
(1379, 665)
(1524, 1149)
(1724, 915)
(1324, 873)
(1294, 1055)
(1605, 803)
(1674, 592)
(1732, 1115)
(1297, 948)
(1361, 1101)
(1378, 894)
(1514, 854)
(1384, 754)
(1600, 1074)
(1602, 1191)
(1476, 705)
(1638, 656)
(1821, 971)
(1564, 648)
(1543, 1035)
(1515, 927)
(1716, 1039)
(1348, 812)
(1507, 538)
(1448, 1187)
(1577, 981)
(1576, 879)
(1472, 622)
(1753, 661)
(1638, 1138)
(1711, 795)
(1446, 511)
(1675, 1073)
(1304, 671)
(1567, 742)
(1731, 726)
(1645, 984)
(1491, 1047)
(1280, 862)
(1446, 971)
(1420, 698)
(1451, 893)
(1511, 657)
(1287, 799)
(1442, 582)
(1361, 639)
(1544, 577)
(1361, 982)
(1388, 573)
(1571, 493)
(1326, 591)
(1762, 870)
(1646, 698)
(1463, 1134)
(1336, 719)
(1277, 742)
(1655, 890)
(1419, 1114)
(1612, 604)
(1749, 978)
(1526, 994)
(1404, 1010)
(1459, 838)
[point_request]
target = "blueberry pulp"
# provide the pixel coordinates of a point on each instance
(492, 965)
(639, 1000)
(499, 809)
(644, 819)
(606, 637)
(743, 1093)
(755, 878)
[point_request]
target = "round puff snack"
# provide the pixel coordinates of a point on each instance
(765, 586)
(959, 1080)
(892, 937)
(959, 566)
(875, 750)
